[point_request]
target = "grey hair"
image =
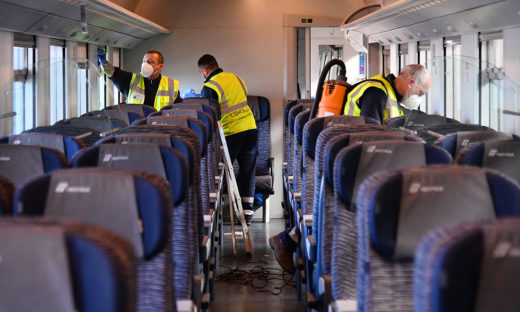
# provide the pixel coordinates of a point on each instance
(417, 72)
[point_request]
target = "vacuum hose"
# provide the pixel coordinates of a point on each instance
(321, 81)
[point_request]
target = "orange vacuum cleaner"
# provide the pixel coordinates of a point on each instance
(331, 95)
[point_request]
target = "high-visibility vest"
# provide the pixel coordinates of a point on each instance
(166, 93)
(392, 108)
(232, 97)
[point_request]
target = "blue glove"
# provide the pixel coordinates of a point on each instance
(102, 57)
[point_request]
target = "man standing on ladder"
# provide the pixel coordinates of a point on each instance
(238, 124)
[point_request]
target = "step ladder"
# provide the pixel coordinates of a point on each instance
(235, 202)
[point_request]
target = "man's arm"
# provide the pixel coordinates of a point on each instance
(120, 78)
(373, 103)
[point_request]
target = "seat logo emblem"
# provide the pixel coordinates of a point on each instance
(63, 187)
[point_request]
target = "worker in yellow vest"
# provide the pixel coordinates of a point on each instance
(379, 97)
(148, 87)
(238, 124)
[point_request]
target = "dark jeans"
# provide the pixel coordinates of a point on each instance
(242, 147)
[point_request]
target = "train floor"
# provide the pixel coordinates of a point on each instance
(254, 283)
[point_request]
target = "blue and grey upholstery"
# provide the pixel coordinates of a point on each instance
(264, 180)
(397, 209)
(352, 166)
(418, 121)
(194, 140)
(502, 156)
(140, 109)
(433, 133)
(169, 164)
(65, 266)
(469, 267)
(134, 205)
(127, 116)
(66, 144)
(21, 163)
(88, 136)
(455, 143)
(211, 102)
(99, 123)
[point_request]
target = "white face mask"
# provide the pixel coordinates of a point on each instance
(146, 70)
(413, 101)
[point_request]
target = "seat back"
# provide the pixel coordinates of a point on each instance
(286, 110)
(140, 109)
(298, 108)
(454, 143)
(502, 156)
(64, 266)
(432, 134)
(468, 267)
(410, 203)
(299, 123)
(127, 116)
(66, 144)
(418, 121)
(20, 163)
(353, 165)
(261, 109)
(134, 205)
(311, 131)
(99, 123)
(88, 136)
(211, 102)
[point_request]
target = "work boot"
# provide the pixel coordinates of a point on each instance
(248, 214)
(283, 256)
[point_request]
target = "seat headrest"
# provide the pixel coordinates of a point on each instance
(356, 163)
(478, 264)
(260, 107)
(411, 202)
(72, 266)
(134, 205)
(295, 111)
(502, 156)
(299, 124)
(315, 126)
(20, 163)
(49, 140)
(155, 159)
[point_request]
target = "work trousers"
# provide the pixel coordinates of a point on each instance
(242, 146)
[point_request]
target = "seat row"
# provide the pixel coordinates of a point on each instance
(357, 191)
(157, 184)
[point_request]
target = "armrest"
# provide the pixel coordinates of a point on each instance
(205, 248)
(325, 288)
(343, 306)
(270, 164)
(185, 305)
(310, 248)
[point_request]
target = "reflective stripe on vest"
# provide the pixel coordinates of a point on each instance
(392, 108)
(236, 114)
(166, 93)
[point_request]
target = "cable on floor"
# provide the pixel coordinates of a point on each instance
(259, 277)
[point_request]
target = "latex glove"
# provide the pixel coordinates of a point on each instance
(102, 57)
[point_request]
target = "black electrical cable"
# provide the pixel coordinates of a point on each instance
(260, 278)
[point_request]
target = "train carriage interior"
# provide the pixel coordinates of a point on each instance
(260, 155)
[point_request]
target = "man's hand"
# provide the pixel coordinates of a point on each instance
(102, 57)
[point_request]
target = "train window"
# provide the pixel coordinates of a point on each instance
(403, 55)
(116, 62)
(491, 78)
(57, 80)
(453, 78)
(102, 90)
(424, 56)
(83, 88)
(386, 60)
(24, 85)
